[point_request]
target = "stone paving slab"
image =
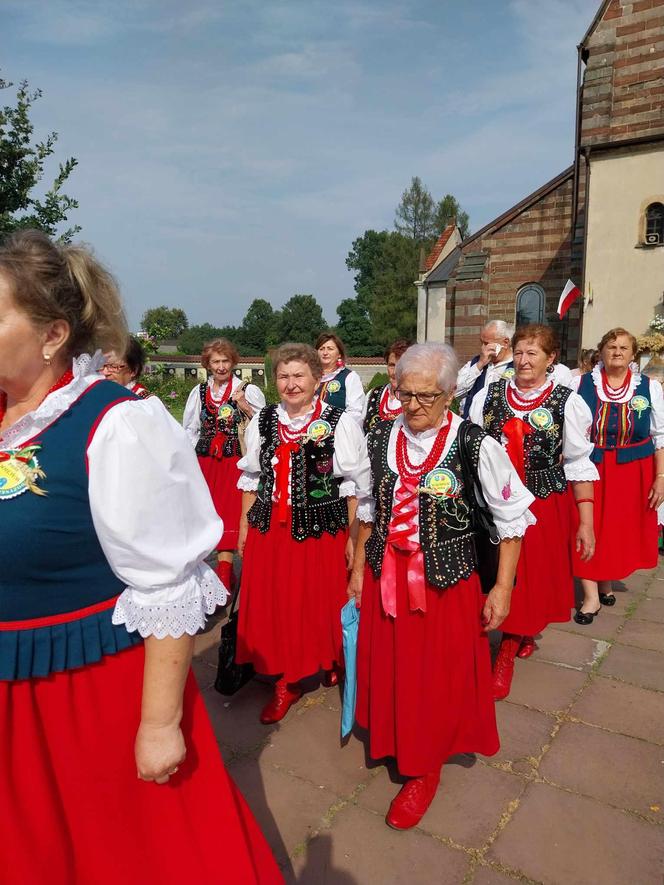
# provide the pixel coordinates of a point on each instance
(523, 735)
(643, 634)
(569, 649)
(545, 687)
(636, 665)
(623, 708)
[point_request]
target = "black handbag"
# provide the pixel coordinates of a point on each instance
(486, 540)
(231, 676)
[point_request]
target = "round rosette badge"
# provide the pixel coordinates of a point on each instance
(508, 373)
(319, 430)
(541, 419)
(333, 386)
(19, 472)
(639, 404)
(441, 483)
(225, 412)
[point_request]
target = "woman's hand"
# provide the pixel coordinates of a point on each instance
(585, 541)
(242, 536)
(350, 553)
(158, 750)
(355, 587)
(496, 607)
(656, 494)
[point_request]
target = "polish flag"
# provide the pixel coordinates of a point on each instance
(569, 295)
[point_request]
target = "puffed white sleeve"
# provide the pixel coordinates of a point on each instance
(577, 447)
(255, 397)
(562, 374)
(506, 496)
(355, 397)
(467, 376)
(191, 419)
(476, 413)
(250, 464)
(351, 461)
(657, 413)
(155, 520)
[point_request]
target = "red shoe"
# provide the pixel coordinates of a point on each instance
(224, 571)
(411, 802)
(528, 646)
(282, 700)
(503, 668)
(332, 677)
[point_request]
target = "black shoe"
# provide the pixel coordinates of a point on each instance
(585, 618)
(607, 598)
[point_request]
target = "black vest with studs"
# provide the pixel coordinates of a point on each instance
(211, 422)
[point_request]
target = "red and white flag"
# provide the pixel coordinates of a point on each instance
(570, 293)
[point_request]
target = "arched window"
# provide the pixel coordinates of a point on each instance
(530, 304)
(655, 224)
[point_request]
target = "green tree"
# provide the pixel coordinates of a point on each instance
(257, 327)
(22, 169)
(364, 258)
(415, 215)
(393, 309)
(164, 323)
(193, 339)
(449, 208)
(354, 328)
(300, 319)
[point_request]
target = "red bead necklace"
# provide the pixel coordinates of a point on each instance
(212, 402)
(62, 381)
(286, 435)
(409, 471)
(385, 412)
(519, 404)
(614, 394)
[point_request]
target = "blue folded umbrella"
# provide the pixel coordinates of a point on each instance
(350, 621)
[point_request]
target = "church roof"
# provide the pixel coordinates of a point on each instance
(445, 269)
(440, 244)
(599, 15)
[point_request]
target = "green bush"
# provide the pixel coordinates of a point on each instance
(171, 390)
(380, 379)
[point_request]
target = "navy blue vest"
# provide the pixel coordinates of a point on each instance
(480, 381)
(52, 562)
(621, 426)
(333, 392)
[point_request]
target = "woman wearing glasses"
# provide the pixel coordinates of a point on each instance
(127, 368)
(424, 669)
(545, 429)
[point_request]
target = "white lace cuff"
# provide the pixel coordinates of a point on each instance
(347, 489)
(248, 482)
(659, 441)
(515, 528)
(366, 511)
(171, 611)
(581, 471)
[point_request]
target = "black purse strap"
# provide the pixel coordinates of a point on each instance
(475, 497)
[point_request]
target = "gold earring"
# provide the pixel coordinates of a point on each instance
(47, 359)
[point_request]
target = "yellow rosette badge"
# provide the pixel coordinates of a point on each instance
(19, 472)
(639, 404)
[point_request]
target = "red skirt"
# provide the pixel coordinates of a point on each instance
(221, 475)
(544, 591)
(626, 532)
(290, 603)
(73, 811)
(424, 679)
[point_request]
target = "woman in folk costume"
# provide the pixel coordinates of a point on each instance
(339, 386)
(101, 591)
(424, 667)
(305, 463)
(627, 432)
(212, 419)
(127, 368)
(382, 403)
(544, 427)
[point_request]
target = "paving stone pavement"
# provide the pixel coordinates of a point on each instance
(574, 797)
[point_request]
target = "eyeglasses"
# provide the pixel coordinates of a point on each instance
(114, 368)
(424, 399)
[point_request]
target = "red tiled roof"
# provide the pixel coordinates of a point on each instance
(440, 244)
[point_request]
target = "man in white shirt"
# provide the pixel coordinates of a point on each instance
(492, 363)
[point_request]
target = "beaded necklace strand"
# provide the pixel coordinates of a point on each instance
(614, 394)
(519, 404)
(409, 471)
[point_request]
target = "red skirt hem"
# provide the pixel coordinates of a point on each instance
(221, 475)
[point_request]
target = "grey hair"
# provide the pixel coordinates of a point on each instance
(439, 358)
(504, 330)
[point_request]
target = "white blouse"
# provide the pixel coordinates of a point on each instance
(150, 506)
(355, 395)
(577, 447)
(191, 419)
(506, 496)
(469, 374)
(350, 462)
(656, 399)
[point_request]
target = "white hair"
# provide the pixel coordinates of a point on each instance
(503, 329)
(439, 358)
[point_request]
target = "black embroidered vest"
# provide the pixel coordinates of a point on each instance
(543, 448)
(446, 536)
(226, 418)
(316, 505)
(372, 416)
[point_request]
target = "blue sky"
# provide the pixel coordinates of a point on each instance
(234, 149)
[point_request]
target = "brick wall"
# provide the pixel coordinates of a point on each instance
(623, 84)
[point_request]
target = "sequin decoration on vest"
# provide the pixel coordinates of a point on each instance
(220, 421)
(57, 594)
(446, 537)
(542, 440)
(315, 503)
(333, 392)
(621, 426)
(378, 408)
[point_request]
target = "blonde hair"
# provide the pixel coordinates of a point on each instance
(50, 282)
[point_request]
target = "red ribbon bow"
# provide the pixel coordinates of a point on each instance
(515, 430)
(398, 539)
